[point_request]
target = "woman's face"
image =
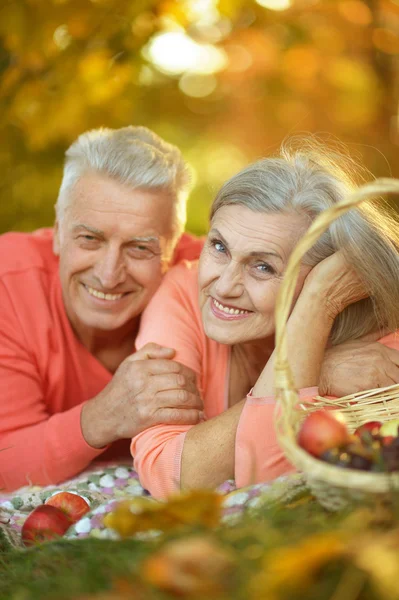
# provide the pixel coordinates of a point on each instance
(241, 269)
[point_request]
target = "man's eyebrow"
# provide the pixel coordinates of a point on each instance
(147, 239)
(87, 228)
(137, 239)
(259, 253)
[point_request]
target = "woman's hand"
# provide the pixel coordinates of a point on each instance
(336, 284)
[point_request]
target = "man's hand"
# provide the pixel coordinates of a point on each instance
(356, 366)
(148, 388)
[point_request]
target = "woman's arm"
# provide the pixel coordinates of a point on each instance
(328, 289)
(241, 442)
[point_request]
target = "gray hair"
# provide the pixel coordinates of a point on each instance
(134, 156)
(308, 180)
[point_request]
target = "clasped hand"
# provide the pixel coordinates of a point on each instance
(148, 388)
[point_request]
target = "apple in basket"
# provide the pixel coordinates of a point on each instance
(321, 431)
(372, 427)
(44, 523)
(72, 505)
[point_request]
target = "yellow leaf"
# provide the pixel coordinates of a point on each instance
(195, 508)
(190, 567)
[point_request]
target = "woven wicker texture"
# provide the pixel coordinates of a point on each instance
(333, 486)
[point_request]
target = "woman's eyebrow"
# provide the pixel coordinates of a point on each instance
(262, 253)
(257, 253)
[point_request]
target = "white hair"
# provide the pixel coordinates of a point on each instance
(308, 180)
(133, 156)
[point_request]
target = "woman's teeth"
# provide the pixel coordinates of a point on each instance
(230, 311)
(98, 294)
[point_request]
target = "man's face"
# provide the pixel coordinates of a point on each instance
(111, 242)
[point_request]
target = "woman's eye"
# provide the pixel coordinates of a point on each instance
(265, 268)
(218, 246)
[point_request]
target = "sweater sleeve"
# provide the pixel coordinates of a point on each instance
(157, 451)
(35, 447)
(258, 456)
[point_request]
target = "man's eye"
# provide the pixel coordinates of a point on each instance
(141, 252)
(87, 238)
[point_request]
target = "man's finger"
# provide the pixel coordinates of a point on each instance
(157, 367)
(392, 375)
(179, 399)
(175, 416)
(153, 351)
(392, 354)
(173, 381)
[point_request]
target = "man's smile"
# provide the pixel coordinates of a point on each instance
(102, 295)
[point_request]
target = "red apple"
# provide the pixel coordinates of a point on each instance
(321, 431)
(44, 523)
(72, 505)
(372, 426)
(387, 440)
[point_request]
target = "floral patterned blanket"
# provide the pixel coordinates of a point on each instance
(103, 486)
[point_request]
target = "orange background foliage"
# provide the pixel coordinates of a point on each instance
(69, 65)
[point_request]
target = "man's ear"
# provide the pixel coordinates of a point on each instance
(56, 238)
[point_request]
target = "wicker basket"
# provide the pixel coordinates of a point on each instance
(334, 487)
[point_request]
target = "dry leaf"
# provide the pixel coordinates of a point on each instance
(195, 508)
(196, 566)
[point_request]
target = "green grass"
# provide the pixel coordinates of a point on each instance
(68, 569)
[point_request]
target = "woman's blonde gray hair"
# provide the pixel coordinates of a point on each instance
(134, 156)
(308, 178)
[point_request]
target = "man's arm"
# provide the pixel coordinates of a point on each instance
(35, 447)
(40, 448)
(358, 365)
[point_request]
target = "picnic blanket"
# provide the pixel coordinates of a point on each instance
(103, 486)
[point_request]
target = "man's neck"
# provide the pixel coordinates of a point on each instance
(110, 347)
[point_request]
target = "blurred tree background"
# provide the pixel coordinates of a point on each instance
(225, 80)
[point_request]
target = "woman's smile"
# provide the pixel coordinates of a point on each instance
(227, 313)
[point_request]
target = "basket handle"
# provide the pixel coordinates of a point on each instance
(283, 375)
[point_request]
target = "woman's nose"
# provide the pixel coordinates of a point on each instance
(230, 282)
(110, 269)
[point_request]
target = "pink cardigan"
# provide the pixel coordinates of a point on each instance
(173, 318)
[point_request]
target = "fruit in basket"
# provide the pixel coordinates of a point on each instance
(72, 505)
(372, 427)
(390, 456)
(390, 428)
(323, 430)
(44, 523)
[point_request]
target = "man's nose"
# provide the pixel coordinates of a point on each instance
(230, 281)
(110, 268)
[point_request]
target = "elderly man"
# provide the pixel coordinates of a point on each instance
(70, 305)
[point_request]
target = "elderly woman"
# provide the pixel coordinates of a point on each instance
(220, 315)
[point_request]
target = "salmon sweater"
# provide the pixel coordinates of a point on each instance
(46, 374)
(173, 318)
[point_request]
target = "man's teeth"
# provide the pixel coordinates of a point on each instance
(230, 311)
(98, 294)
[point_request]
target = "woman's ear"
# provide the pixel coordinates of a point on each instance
(56, 238)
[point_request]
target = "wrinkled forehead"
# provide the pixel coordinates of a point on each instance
(248, 231)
